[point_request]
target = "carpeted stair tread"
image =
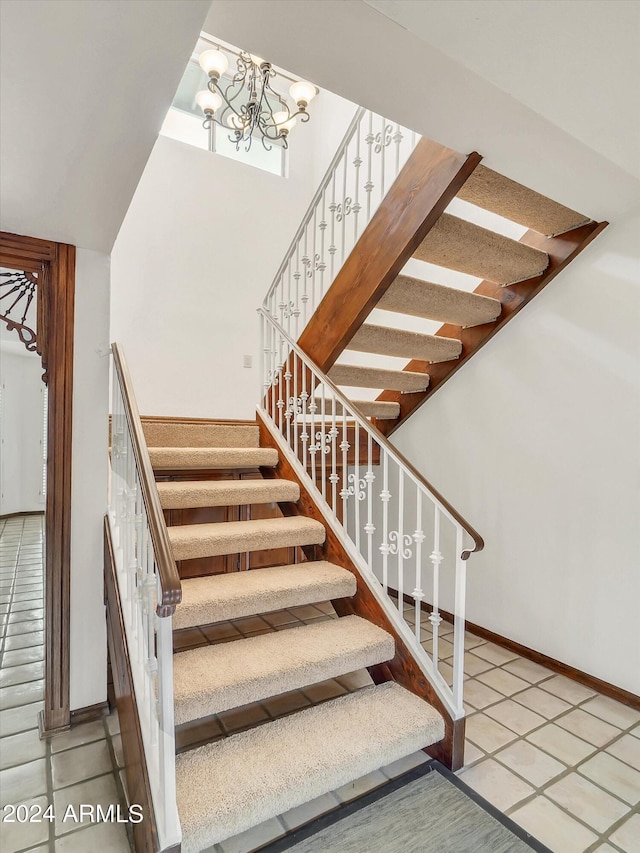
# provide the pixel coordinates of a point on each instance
(400, 342)
(374, 377)
(225, 787)
(368, 408)
(460, 245)
(184, 434)
(217, 598)
(499, 194)
(191, 541)
(203, 493)
(213, 457)
(216, 678)
(420, 298)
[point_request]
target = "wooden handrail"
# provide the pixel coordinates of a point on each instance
(167, 570)
(381, 439)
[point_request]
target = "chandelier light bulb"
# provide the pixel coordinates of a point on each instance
(257, 60)
(234, 122)
(208, 101)
(214, 63)
(283, 122)
(302, 92)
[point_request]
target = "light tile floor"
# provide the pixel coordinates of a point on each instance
(79, 766)
(556, 757)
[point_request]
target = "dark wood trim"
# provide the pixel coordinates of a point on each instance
(135, 766)
(626, 697)
(56, 262)
(561, 250)
(166, 565)
(604, 687)
(89, 713)
(18, 514)
(430, 179)
(403, 668)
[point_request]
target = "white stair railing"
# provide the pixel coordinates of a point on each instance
(149, 589)
(368, 160)
(406, 540)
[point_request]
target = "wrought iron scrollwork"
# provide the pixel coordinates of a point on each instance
(22, 287)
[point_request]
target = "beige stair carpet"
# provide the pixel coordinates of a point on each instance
(375, 377)
(420, 298)
(190, 541)
(399, 342)
(217, 598)
(181, 495)
(493, 191)
(212, 679)
(460, 245)
(213, 457)
(368, 408)
(180, 434)
(223, 788)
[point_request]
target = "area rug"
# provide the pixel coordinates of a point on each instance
(428, 810)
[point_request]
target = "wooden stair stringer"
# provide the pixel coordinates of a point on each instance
(403, 668)
(425, 186)
(561, 251)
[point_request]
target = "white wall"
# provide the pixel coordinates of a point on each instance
(88, 649)
(196, 253)
(21, 422)
(535, 441)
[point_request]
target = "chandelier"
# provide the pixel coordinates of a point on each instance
(248, 106)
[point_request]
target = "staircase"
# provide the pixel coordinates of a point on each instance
(212, 523)
(229, 785)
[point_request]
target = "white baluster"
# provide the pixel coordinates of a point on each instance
(418, 538)
(368, 187)
(369, 527)
(436, 559)
(458, 625)
(356, 481)
(384, 497)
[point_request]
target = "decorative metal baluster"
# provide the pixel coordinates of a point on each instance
(305, 295)
(383, 150)
(345, 204)
(357, 162)
(304, 435)
(287, 311)
(288, 413)
(321, 261)
(333, 477)
(344, 447)
(369, 185)
(384, 497)
(296, 309)
(313, 444)
(458, 625)
(272, 378)
(279, 377)
(356, 483)
(418, 538)
(295, 403)
(369, 527)
(401, 541)
(436, 559)
(332, 208)
(397, 138)
(314, 264)
(323, 443)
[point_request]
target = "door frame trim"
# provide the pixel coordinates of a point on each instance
(55, 263)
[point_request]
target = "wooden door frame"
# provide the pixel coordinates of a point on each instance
(55, 264)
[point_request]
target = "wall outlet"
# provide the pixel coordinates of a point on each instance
(247, 361)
